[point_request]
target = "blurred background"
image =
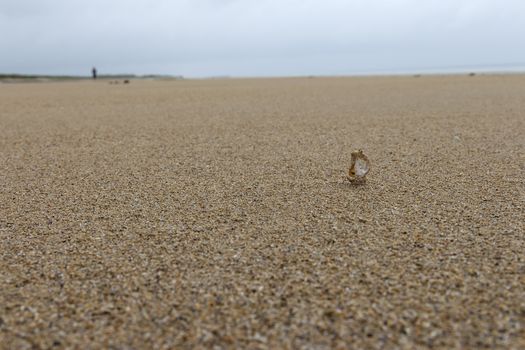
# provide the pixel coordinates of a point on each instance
(206, 38)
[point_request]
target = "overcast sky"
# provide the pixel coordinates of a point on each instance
(199, 38)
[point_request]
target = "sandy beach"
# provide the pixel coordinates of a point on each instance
(217, 214)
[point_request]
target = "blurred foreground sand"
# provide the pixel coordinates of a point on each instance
(216, 213)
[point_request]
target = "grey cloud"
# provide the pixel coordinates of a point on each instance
(266, 37)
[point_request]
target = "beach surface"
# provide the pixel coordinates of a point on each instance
(217, 213)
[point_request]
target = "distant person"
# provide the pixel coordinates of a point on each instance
(94, 72)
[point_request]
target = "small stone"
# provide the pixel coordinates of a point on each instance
(359, 167)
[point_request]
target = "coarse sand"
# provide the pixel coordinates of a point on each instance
(217, 214)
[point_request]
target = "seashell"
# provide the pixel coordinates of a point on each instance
(359, 167)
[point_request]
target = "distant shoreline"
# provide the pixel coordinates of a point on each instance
(47, 78)
(15, 78)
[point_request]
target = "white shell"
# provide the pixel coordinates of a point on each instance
(359, 167)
